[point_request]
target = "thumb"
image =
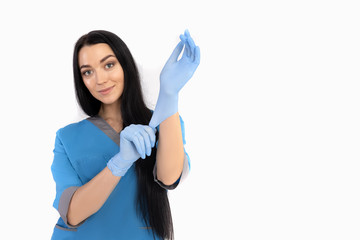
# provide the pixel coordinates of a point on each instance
(175, 54)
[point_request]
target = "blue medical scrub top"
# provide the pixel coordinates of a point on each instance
(81, 151)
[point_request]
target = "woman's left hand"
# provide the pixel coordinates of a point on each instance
(176, 73)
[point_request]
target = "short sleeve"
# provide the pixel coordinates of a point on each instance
(186, 166)
(66, 179)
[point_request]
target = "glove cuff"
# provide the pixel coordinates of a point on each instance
(166, 106)
(116, 170)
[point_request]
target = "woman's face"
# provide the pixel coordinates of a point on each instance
(101, 72)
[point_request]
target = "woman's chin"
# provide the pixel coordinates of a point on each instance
(108, 100)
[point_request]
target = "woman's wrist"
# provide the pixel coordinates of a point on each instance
(166, 106)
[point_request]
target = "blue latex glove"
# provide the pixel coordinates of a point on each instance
(175, 74)
(135, 142)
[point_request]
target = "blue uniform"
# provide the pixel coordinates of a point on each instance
(81, 151)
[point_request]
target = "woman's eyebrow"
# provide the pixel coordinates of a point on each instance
(110, 55)
(102, 60)
(84, 66)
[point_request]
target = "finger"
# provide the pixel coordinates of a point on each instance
(146, 141)
(151, 133)
(175, 54)
(142, 144)
(197, 55)
(192, 47)
(129, 132)
(187, 46)
(183, 37)
(187, 33)
(136, 142)
(191, 43)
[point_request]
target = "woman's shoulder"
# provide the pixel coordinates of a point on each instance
(73, 128)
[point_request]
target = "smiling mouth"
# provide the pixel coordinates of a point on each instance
(106, 90)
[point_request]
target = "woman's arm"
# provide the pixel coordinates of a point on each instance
(175, 74)
(89, 198)
(170, 150)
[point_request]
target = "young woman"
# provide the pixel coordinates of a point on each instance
(112, 170)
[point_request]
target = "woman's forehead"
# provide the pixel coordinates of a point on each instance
(92, 54)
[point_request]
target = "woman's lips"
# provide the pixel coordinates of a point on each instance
(106, 90)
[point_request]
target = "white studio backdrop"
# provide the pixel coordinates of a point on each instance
(271, 115)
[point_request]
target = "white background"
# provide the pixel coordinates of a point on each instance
(271, 115)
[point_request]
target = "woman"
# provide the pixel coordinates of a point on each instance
(100, 192)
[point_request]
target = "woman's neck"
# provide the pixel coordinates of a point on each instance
(111, 111)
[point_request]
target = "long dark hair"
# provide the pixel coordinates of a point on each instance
(152, 200)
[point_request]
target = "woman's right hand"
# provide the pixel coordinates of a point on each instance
(135, 141)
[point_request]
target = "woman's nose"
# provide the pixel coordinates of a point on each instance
(101, 77)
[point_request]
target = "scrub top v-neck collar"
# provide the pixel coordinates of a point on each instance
(106, 128)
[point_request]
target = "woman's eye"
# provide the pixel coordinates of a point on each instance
(109, 65)
(86, 73)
